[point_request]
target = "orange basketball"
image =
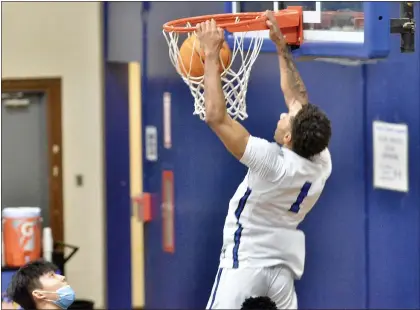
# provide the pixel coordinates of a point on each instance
(189, 57)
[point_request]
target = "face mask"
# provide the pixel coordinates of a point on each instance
(66, 297)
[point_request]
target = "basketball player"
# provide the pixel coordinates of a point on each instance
(263, 251)
(37, 286)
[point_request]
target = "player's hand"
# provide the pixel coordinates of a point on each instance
(211, 38)
(275, 34)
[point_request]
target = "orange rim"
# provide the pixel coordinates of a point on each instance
(248, 21)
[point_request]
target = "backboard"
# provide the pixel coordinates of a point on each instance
(356, 30)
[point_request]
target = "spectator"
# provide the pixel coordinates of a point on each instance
(36, 285)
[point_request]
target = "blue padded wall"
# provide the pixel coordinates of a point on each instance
(117, 172)
(394, 218)
(362, 243)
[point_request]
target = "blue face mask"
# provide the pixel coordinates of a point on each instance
(66, 297)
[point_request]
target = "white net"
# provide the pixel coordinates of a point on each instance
(234, 82)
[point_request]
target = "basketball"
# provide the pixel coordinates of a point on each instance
(190, 52)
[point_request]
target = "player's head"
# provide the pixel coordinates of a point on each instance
(305, 129)
(258, 303)
(37, 286)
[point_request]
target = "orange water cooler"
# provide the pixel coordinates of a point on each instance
(21, 235)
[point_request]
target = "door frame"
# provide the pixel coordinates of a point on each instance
(52, 89)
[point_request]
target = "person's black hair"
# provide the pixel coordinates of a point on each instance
(258, 303)
(311, 131)
(26, 280)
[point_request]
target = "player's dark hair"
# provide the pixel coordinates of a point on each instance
(26, 280)
(258, 303)
(311, 131)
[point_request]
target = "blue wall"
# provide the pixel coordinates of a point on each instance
(362, 244)
(117, 182)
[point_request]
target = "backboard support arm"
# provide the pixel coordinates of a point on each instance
(405, 26)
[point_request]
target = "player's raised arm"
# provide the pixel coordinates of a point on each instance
(290, 81)
(233, 135)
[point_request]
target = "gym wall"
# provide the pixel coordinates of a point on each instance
(362, 244)
(64, 39)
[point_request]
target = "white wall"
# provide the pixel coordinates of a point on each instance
(63, 39)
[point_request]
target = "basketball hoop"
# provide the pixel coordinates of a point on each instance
(234, 82)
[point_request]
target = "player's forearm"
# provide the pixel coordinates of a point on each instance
(213, 93)
(291, 82)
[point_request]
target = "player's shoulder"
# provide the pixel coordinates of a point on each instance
(324, 160)
(265, 144)
(320, 163)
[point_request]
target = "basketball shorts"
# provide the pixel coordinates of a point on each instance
(232, 286)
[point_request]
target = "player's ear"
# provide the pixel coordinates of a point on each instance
(287, 139)
(37, 294)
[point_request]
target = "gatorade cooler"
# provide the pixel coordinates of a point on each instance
(21, 235)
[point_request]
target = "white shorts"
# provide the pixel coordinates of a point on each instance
(232, 286)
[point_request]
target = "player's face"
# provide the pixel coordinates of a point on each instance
(282, 134)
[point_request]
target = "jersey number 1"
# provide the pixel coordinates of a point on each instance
(302, 195)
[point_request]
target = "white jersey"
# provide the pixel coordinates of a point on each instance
(278, 191)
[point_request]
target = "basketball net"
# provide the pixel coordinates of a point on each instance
(234, 83)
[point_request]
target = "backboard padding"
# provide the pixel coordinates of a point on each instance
(333, 28)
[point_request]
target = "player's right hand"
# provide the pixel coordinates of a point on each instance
(211, 38)
(275, 33)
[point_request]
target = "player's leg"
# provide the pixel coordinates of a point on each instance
(232, 286)
(282, 288)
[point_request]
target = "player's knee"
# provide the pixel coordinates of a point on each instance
(258, 303)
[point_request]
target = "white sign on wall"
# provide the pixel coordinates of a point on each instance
(151, 143)
(390, 156)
